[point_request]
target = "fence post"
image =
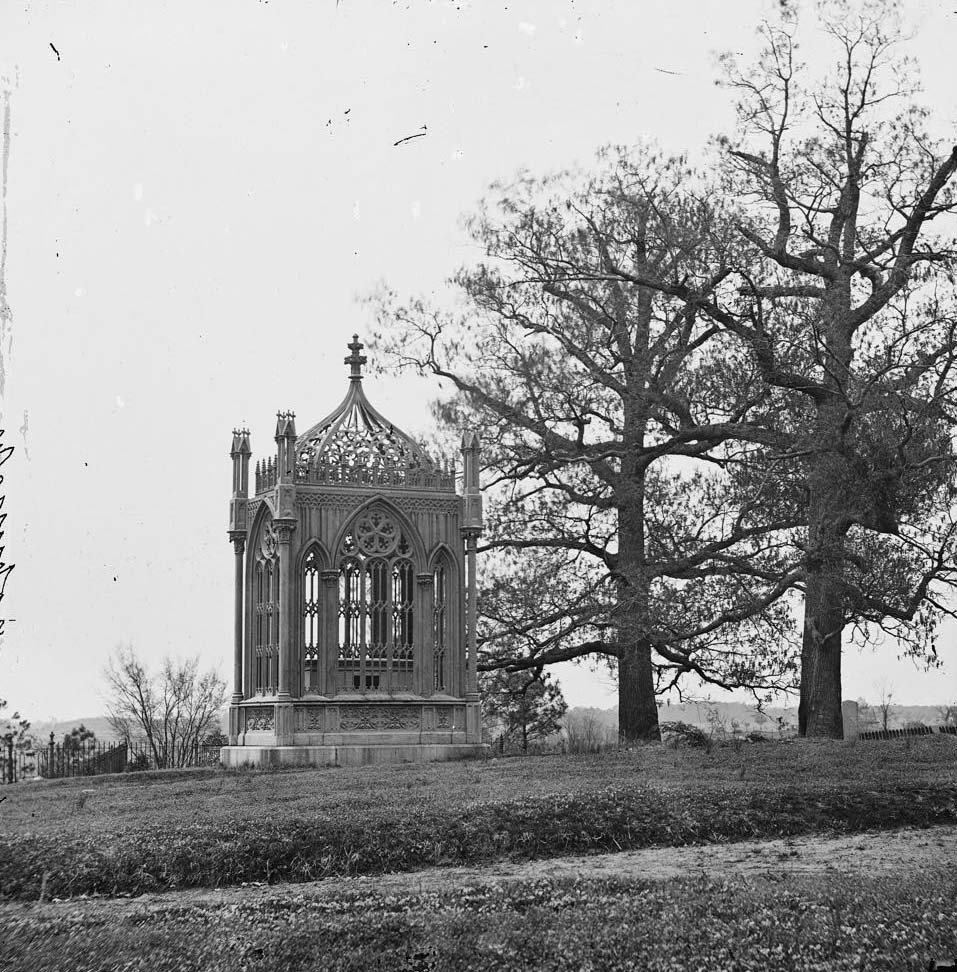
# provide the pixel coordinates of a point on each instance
(11, 777)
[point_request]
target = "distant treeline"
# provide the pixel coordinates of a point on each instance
(747, 716)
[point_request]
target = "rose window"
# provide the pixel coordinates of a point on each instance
(376, 535)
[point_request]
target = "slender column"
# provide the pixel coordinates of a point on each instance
(329, 651)
(471, 531)
(239, 453)
(422, 671)
(365, 624)
(471, 546)
(239, 545)
(284, 529)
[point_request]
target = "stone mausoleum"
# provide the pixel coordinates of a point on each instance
(355, 595)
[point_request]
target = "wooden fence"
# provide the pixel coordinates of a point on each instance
(907, 731)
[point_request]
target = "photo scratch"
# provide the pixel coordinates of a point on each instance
(408, 138)
(6, 314)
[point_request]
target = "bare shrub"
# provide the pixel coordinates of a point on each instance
(584, 733)
(172, 710)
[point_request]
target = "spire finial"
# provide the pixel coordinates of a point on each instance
(355, 360)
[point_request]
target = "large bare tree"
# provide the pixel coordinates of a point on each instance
(848, 309)
(611, 413)
(845, 305)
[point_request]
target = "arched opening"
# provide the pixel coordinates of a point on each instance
(259, 639)
(440, 626)
(376, 606)
(311, 618)
(266, 609)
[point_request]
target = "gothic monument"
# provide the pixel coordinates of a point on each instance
(354, 637)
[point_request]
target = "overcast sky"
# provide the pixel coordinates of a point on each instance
(198, 194)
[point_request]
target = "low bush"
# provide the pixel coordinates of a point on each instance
(685, 734)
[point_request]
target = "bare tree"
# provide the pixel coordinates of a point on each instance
(885, 704)
(172, 710)
(609, 413)
(845, 187)
(845, 303)
(586, 732)
(948, 714)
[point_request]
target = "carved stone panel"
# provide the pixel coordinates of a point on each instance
(358, 718)
(260, 718)
(334, 500)
(443, 717)
(309, 718)
(400, 717)
(409, 504)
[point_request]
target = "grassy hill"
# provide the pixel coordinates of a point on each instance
(122, 836)
(97, 724)
(149, 831)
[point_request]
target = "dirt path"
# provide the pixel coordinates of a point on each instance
(899, 851)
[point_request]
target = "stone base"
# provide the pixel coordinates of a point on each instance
(262, 757)
(355, 720)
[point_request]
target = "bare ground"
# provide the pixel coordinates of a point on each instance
(904, 852)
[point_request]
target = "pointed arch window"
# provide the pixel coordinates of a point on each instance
(260, 626)
(376, 606)
(440, 625)
(403, 587)
(351, 633)
(266, 612)
(311, 617)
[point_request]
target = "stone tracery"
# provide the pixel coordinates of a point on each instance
(375, 611)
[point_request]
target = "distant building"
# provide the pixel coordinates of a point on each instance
(352, 562)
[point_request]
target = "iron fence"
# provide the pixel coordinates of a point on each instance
(91, 758)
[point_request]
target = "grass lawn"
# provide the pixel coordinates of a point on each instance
(761, 923)
(208, 828)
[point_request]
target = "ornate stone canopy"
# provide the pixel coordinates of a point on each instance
(356, 435)
(354, 639)
(356, 444)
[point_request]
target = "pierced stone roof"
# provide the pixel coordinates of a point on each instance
(356, 436)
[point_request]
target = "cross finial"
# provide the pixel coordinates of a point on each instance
(355, 360)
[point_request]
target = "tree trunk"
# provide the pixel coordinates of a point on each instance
(819, 711)
(637, 708)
